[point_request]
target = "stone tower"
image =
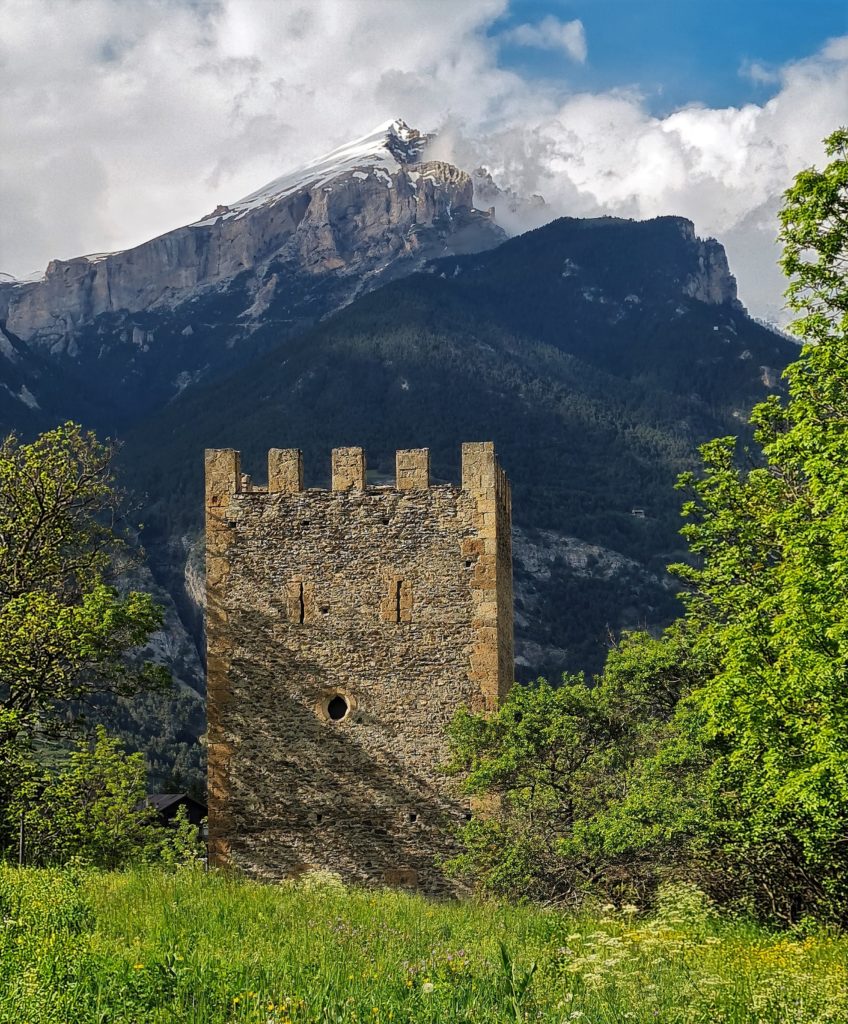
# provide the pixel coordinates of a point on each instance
(344, 629)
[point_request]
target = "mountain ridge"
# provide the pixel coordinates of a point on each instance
(579, 348)
(358, 209)
(597, 354)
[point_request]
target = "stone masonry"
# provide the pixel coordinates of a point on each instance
(344, 629)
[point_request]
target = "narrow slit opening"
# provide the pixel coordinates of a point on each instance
(398, 587)
(302, 605)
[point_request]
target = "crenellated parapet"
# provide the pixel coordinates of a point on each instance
(481, 472)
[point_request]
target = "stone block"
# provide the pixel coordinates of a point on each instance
(412, 469)
(223, 475)
(285, 470)
(348, 469)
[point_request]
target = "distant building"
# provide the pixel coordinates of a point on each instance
(638, 512)
(166, 806)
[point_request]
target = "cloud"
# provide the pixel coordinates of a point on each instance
(725, 169)
(120, 121)
(551, 34)
(758, 73)
(836, 49)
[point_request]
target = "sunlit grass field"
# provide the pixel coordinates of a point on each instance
(147, 946)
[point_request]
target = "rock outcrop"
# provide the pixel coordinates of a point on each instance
(356, 212)
(712, 282)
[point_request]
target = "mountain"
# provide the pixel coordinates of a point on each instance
(366, 300)
(150, 321)
(35, 393)
(597, 354)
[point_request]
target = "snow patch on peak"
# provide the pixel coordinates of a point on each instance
(387, 148)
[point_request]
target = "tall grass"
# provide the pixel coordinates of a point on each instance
(144, 947)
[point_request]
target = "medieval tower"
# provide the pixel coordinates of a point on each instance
(344, 629)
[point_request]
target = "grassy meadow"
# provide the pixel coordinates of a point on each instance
(145, 946)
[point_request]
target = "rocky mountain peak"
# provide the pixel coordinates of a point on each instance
(389, 148)
(404, 143)
(366, 209)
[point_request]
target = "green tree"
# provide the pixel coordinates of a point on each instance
(94, 811)
(769, 599)
(65, 628)
(814, 233)
(576, 800)
(761, 741)
(531, 759)
(730, 761)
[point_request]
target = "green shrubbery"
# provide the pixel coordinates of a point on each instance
(93, 811)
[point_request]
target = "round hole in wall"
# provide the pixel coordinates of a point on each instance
(337, 708)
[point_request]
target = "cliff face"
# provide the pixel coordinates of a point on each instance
(353, 214)
(712, 281)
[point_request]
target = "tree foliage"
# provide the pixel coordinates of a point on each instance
(814, 233)
(564, 772)
(94, 812)
(769, 599)
(64, 627)
(67, 632)
(736, 775)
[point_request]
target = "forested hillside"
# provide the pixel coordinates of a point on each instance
(579, 348)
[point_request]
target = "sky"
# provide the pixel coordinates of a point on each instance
(121, 120)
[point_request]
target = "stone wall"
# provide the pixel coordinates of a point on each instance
(344, 629)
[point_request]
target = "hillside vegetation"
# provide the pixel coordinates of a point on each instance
(151, 947)
(573, 347)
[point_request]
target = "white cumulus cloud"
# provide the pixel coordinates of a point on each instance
(726, 169)
(552, 34)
